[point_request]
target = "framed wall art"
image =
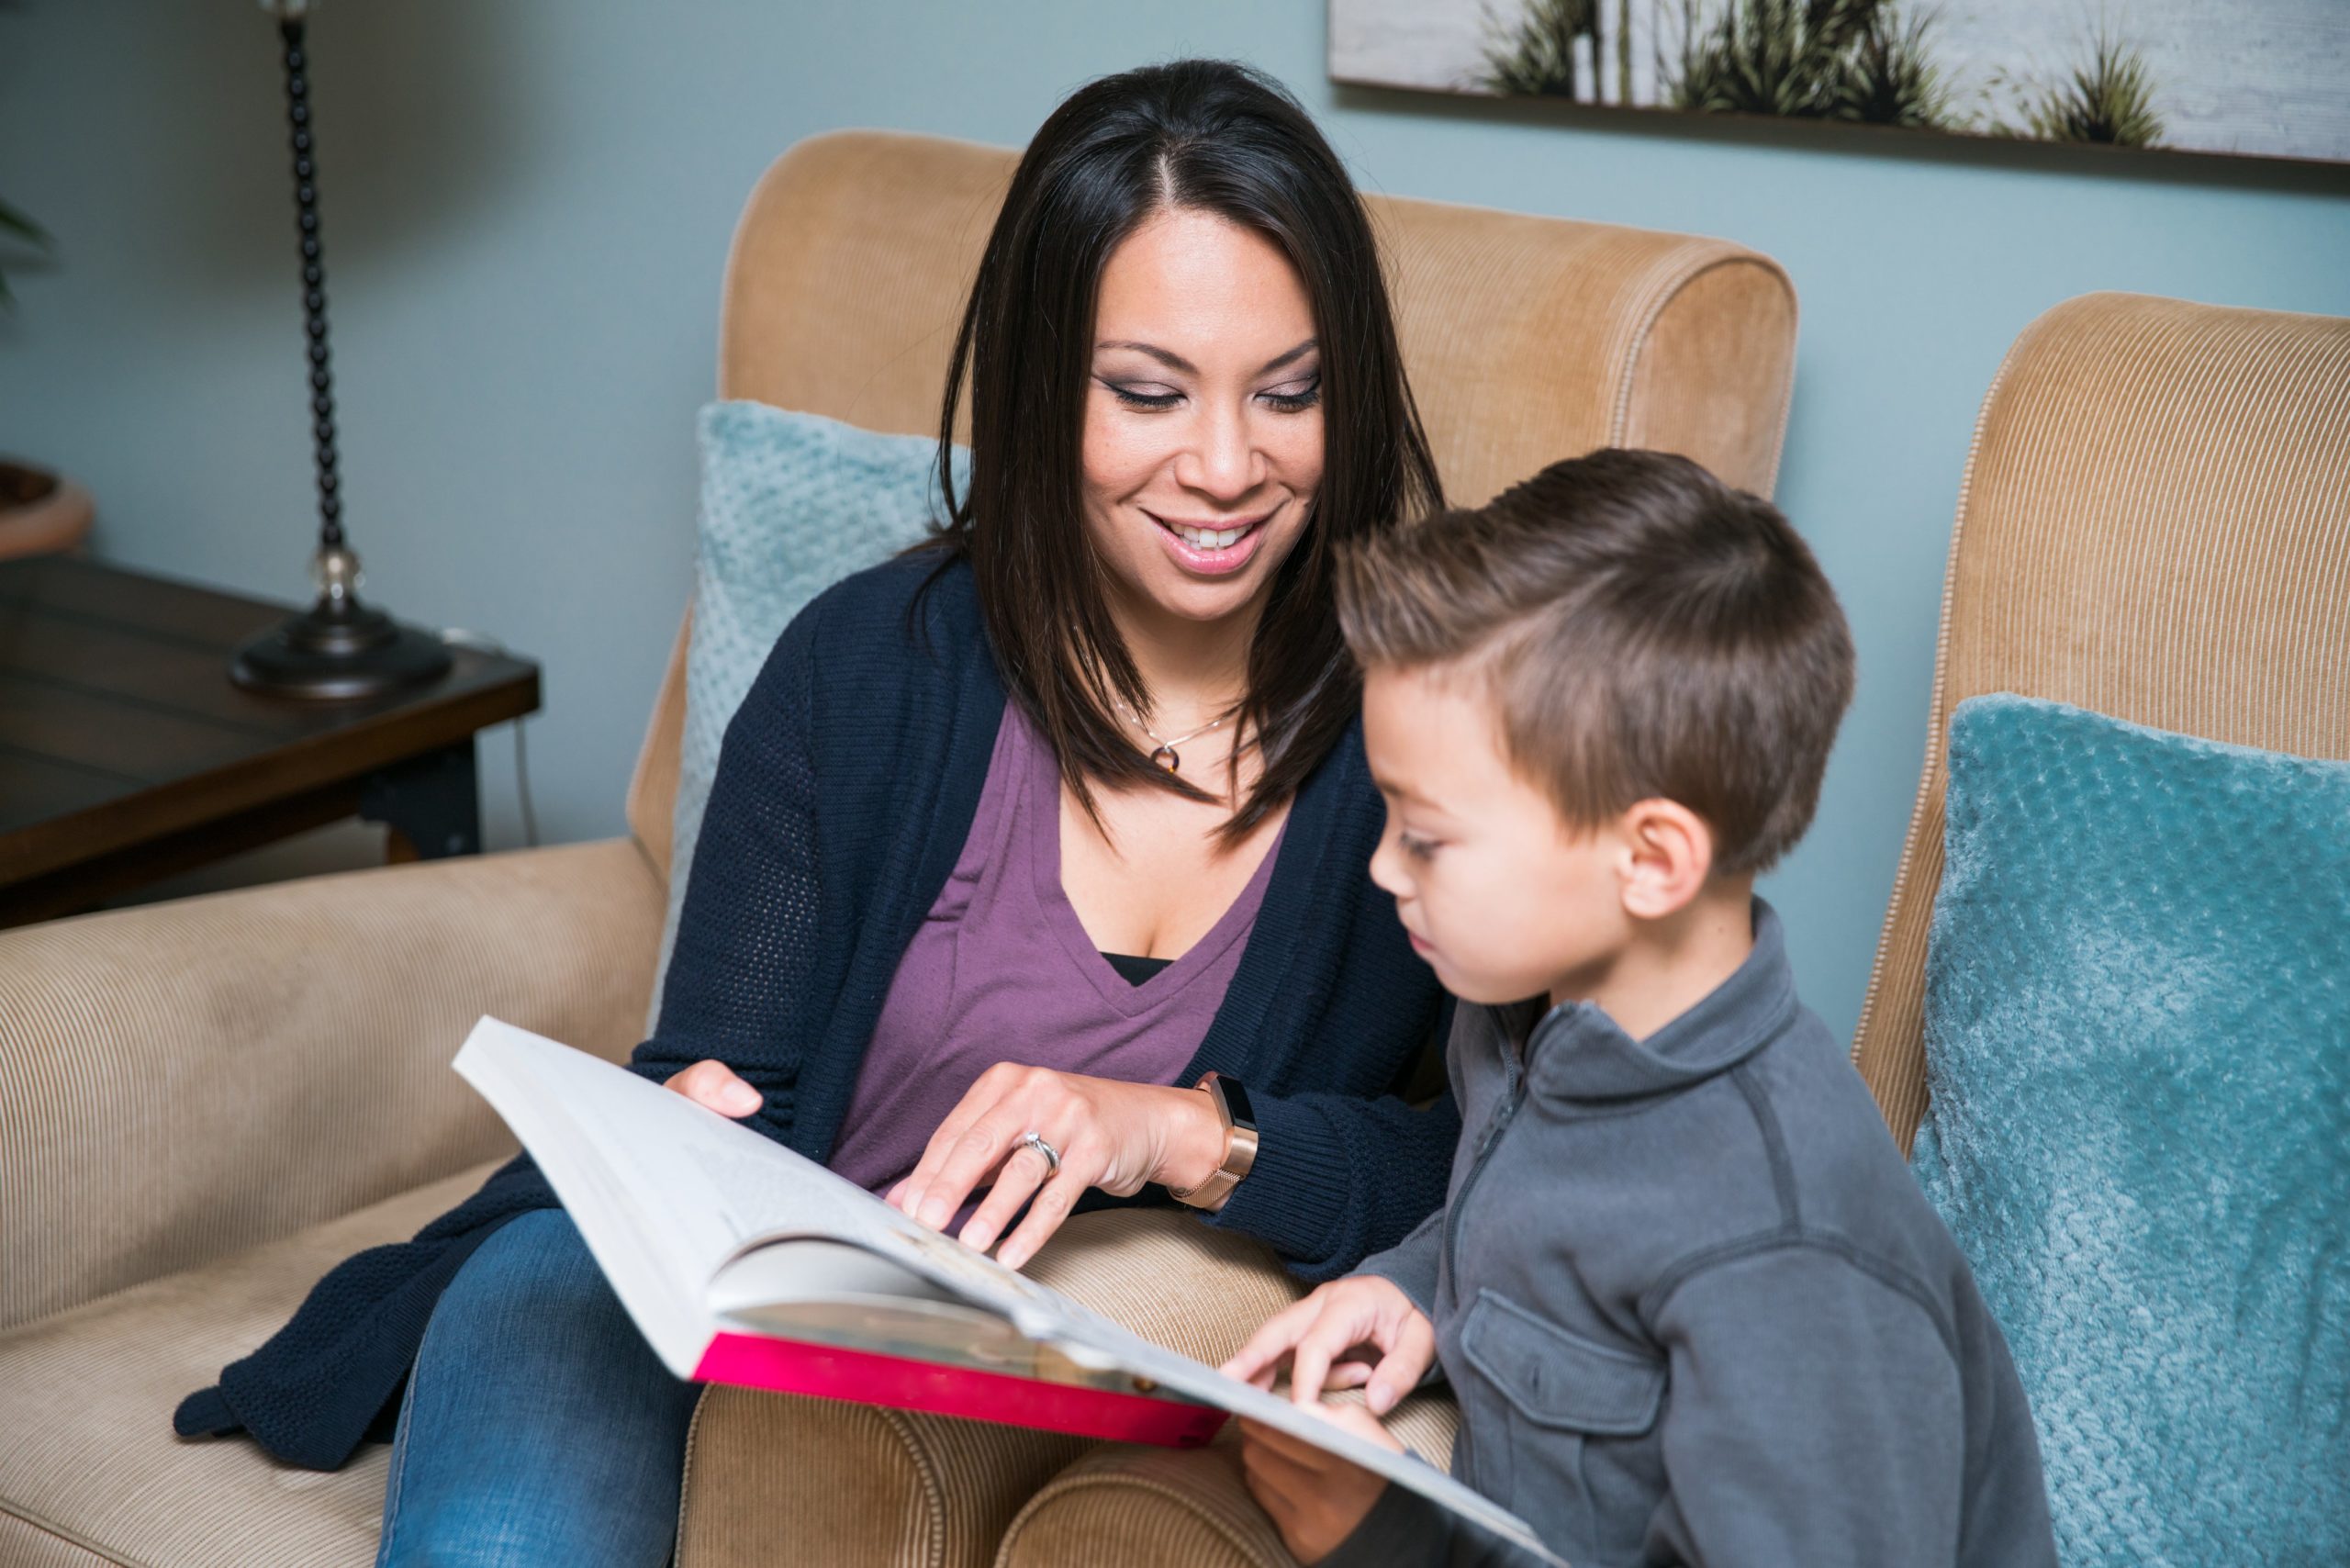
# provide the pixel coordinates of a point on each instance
(2265, 78)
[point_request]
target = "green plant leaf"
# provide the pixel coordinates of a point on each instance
(2109, 99)
(15, 221)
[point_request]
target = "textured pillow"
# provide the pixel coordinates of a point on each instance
(2138, 1048)
(791, 504)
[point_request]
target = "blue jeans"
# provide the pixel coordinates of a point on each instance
(539, 1428)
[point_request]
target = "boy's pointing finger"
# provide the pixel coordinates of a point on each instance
(1272, 1340)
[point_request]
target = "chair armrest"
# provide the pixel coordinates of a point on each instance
(190, 1079)
(1176, 1507)
(861, 1485)
(1183, 1507)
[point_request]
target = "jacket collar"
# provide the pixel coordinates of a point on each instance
(1576, 1052)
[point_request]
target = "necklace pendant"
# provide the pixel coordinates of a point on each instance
(1164, 756)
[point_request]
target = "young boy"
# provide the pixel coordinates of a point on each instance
(1691, 1304)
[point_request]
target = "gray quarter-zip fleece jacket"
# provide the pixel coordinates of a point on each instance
(1696, 1310)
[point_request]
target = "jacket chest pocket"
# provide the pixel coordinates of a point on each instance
(1550, 1392)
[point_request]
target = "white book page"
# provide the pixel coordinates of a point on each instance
(668, 1192)
(665, 1192)
(1131, 1353)
(657, 1233)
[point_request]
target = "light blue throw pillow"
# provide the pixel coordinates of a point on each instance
(791, 504)
(2138, 1048)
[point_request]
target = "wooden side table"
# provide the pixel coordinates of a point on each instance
(126, 756)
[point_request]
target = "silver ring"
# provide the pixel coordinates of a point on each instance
(1052, 1156)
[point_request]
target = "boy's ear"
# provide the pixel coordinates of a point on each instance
(1669, 853)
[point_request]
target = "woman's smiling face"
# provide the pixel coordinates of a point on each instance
(1202, 443)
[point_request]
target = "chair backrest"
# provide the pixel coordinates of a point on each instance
(1527, 338)
(2154, 525)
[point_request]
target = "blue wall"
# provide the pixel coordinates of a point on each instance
(527, 205)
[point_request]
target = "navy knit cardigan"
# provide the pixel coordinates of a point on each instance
(844, 791)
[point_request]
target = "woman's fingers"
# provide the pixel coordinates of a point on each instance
(1051, 1205)
(909, 1191)
(977, 1100)
(1023, 1171)
(1025, 1099)
(982, 1148)
(1103, 1133)
(712, 1083)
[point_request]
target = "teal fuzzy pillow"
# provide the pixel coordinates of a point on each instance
(2138, 1048)
(791, 504)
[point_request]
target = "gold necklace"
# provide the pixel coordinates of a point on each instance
(1167, 756)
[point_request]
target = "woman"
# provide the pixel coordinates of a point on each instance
(1078, 787)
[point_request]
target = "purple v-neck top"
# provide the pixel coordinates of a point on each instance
(1002, 970)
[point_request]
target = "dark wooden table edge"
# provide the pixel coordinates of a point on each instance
(339, 759)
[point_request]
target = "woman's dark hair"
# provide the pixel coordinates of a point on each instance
(1214, 136)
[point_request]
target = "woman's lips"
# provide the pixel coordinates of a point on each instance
(1211, 562)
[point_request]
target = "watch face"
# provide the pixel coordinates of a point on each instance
(1236, 1103)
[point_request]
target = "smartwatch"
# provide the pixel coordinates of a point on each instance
(1239, 1142)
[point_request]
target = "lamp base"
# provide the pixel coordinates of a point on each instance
(338, 650)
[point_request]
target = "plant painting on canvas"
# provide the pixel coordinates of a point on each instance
(2266, 78)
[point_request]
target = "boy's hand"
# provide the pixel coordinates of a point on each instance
(1316, 1499)
(1362, 1310)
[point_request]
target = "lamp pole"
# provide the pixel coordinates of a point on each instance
(339, 648)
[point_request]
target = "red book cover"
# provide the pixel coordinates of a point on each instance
(871, 1377)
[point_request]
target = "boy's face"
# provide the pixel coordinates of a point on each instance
(1502, 898)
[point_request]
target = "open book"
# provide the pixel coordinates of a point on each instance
(743, 1262)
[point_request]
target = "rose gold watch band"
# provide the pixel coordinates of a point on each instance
(1239, 1151)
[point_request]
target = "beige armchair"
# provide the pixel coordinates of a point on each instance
(2154, 525)
(206, 1105)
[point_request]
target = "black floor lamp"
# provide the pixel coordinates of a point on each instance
(339, 648)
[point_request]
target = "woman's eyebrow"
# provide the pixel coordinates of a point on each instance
(1171, 360)
(1279, 360)
(1177, 363)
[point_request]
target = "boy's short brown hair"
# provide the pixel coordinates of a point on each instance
(1646, 631)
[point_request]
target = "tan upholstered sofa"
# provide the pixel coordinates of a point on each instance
(2154, 525)
(204, 1104)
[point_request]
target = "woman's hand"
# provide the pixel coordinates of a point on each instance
(1316, 1499)
(712, 1083)
(1109, 1134)
(1320, 1334)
